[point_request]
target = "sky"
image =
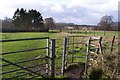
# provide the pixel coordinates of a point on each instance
(69, 11)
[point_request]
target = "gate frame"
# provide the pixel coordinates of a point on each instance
(65, 49)
(49, 49)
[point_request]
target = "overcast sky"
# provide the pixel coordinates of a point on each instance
(75, 11)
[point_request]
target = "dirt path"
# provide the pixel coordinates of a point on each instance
(75, 72)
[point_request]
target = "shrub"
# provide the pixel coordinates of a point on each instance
(96, 74)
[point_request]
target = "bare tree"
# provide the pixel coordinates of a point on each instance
(105, 23)
(49, 23)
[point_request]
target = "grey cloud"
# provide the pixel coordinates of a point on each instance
(75, 14)
(80, 13)
(68, 12)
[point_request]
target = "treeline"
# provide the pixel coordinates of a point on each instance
(25, 21)
(32, 21)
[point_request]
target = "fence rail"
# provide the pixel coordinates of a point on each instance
(50, 60)
(4, 53)
(13, 40)
(50, 50)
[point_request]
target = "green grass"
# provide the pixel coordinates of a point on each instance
(22, 45)
(94, 33)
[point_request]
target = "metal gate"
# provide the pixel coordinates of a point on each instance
(25, 63)
(74, 50)
(81, 47)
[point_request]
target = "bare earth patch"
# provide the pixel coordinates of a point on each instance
(75, 71)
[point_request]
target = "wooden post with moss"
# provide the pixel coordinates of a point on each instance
(112, 44)
(87, 55)
(47, 54)
(64, 54)
(100, 45)
(73, 49)
(52, 58)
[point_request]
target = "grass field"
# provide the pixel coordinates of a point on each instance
(22, 45)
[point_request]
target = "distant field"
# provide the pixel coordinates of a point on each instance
(94, 33)
(13, 46)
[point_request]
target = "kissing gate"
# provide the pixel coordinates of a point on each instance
(85, 50)
(42, 62)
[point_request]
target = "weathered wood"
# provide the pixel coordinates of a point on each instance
(111, 49)
(52, 58)
(64, 55)
(47, 54)
(92, 45)
(96, 38)
(73, 49)
(67, 49)
(100, 45)
(92, 52)
(87, 55)
(97, 49)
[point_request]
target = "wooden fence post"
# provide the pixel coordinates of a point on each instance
(64, 54)
(112, 44)
(73, 49)
(52, 58)
(101, 52)
(100, 45)
(67, 49)
(87, 55)
(47, 54)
